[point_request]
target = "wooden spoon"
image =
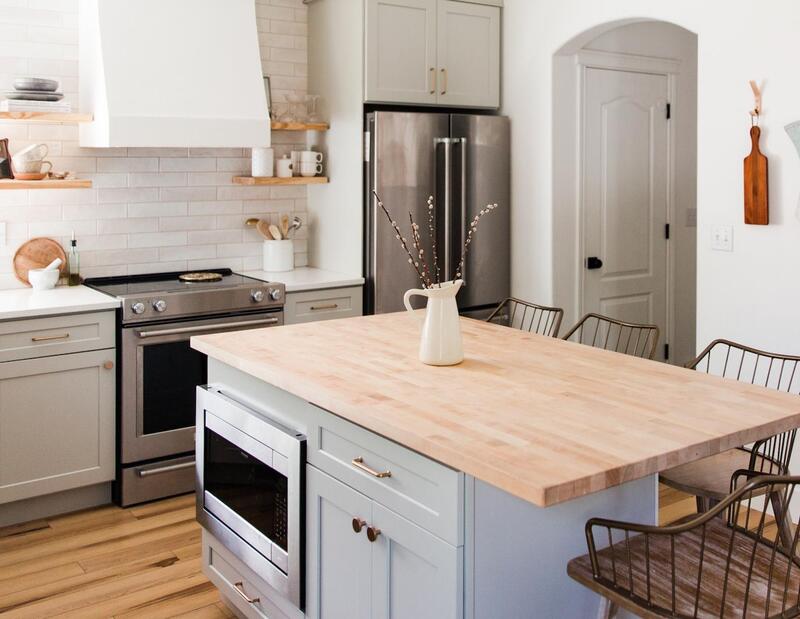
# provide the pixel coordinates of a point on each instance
(275, 232)
(264, 229)
(285, 225)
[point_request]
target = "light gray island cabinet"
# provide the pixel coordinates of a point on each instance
(448, 492)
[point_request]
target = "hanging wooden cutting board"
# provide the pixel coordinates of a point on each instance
(37, 253)
(756, 184)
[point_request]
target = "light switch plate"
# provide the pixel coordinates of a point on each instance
(722, 238)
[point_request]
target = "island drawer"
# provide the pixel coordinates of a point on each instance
(238, 584)
(57, 335)
(322, 304)
(425, 492)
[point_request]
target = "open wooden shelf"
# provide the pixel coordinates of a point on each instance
(275, 180)
(72, 183)
(276, 126)
(48, 117)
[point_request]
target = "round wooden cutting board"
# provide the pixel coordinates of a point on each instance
(36, 254)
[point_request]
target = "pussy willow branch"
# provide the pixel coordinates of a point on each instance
(426, 273)
(432, 235)
(399, 235)
(473, 227)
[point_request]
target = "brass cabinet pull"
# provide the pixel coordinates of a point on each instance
(108, 365)
(239, 586)
(324, 307)
(358, 524)
(433, 80)
(444, 81)
(47, 338)
(359, 464)
(373, 533)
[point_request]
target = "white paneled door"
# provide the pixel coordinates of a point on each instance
(625, 195)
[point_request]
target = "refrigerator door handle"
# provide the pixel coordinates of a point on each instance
(448, 220)
(464, 223)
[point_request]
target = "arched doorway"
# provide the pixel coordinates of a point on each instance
(624, 177)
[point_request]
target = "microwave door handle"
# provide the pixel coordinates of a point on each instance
(201, 328)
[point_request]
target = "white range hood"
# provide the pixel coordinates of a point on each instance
(167, 73)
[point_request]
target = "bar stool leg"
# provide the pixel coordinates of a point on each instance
(607, 609)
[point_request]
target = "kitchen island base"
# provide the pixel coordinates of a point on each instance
(432, 541)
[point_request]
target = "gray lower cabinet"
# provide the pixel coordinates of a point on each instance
(57, 411)
(405, 572)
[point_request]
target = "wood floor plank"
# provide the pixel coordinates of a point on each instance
(25, 527)
(172, 604)
(108, 557)
(212, 611)
(28, 581)
(160, 507)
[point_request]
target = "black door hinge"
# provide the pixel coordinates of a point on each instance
(669, 111)
(666, 231)
(666, 352)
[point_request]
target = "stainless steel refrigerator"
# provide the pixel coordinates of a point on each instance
(463, 161)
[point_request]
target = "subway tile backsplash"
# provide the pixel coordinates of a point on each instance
(150, 209)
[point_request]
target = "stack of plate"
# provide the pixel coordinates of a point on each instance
(34, 89)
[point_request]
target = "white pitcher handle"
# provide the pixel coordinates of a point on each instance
(410, 293)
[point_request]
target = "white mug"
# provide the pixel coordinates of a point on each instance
(296, 162)
(263, 162)
(284, 167)
(310, 156)
(31, 166)
(34, 151)
(309, 168)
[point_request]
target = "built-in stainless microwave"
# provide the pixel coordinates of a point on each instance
(250, 488)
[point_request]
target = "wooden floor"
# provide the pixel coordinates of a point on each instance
(137, 562)
(108, 562)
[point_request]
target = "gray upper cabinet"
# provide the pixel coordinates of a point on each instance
(468, 54)
(433, 52)
(401, 51)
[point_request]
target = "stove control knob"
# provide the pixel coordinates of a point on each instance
(138, 308)
(275, 294)
(160, 305)
(257, 296)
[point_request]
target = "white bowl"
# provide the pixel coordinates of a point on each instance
(42, 279)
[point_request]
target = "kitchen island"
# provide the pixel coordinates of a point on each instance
(493, 465)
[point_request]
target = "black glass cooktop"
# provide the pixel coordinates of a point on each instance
(151, 283)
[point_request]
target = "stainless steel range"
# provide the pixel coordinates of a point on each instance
(159, 371)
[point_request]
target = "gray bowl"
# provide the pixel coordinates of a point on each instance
(35, 83)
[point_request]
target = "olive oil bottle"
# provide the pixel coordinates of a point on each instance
(73, 263)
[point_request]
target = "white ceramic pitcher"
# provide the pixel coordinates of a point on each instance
(440, 343)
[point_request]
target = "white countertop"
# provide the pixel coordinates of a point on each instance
(29, 303)
(307, 278)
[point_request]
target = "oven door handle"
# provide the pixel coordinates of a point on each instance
(200, 328)
(166, 469)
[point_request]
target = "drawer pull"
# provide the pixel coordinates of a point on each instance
(48, 338)
(239, 586)
(358, 524)
(359, 464)
(165, 469)
(373, 533)
(315, 308)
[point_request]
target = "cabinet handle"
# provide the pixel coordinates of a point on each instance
(433, 80)
(324, 307)
(359, 464)
(108, 365)
(373, 533)
(239, 586)
(358, 524)
(444, 81)
(47, 338)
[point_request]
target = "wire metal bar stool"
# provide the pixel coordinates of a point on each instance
(629, 338)
(727, 562)
(707, 479)
(527, 316)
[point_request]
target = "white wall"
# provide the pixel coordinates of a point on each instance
(749, 294)
(150, 209)
(654, 40)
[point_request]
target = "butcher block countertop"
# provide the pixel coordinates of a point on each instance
(543, 419)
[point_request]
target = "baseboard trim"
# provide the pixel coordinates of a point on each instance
(55, 504)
